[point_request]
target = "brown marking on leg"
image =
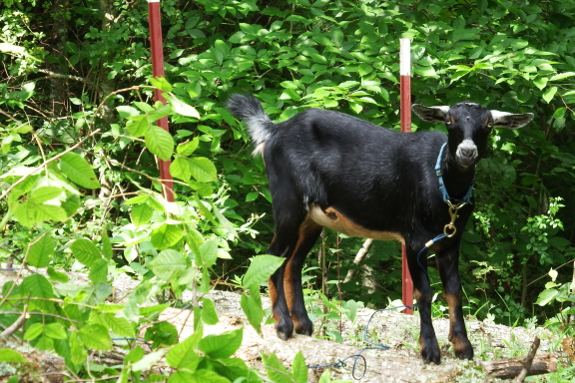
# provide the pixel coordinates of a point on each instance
(273, 297)
(307, 228)
(304, 230)
(453, 302)
(457, 333)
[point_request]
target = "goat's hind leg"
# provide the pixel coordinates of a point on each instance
(307, 236)
(295, 236)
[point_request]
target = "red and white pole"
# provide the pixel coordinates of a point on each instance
(405, 118)
(155, 20)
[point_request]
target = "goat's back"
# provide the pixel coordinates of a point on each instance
(334, 159)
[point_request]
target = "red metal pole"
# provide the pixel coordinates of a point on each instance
(405, 118)
(158, 71)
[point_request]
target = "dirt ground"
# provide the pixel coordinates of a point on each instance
(400, 362)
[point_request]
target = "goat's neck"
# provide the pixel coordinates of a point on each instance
(457, 179)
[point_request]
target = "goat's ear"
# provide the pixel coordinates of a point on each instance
(431, 113)
(510, 120)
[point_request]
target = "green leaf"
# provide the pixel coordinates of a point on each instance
(85, 251)
(546, 296)
(203, 170)
(548, 95)
(222, 346)
(40, 253)
(260, 269)
(540, 82)
(138, 126)
(44, 343)
(141, 214)
(149, 360)
(188, 148)
(168, 265)
(562, 76)
(182, 108)
(180, 168)
(37, 286)
(160, 142)
(50, 212)
(135, 354)
(57, 276)
(78, 351)
(119, 325)
(126, 111)
(34, 331)
(275, 369)
(79, 171)
(30, 213)
(161, 83)
(98, 271)
(107, 250)
(45, 193)
(162, 333)
(299, 368)
(166, 236)
(209, 315)
(251, 196)
(11, 356)
(209, 253)
(183, 355)
(253, 309)
(96, 336)
(55, 331)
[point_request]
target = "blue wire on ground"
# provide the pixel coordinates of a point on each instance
(377, 346)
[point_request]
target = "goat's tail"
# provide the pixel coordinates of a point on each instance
(249, 109)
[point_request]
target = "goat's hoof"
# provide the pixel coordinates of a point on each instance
(284, 329)
(283, 335)
(431, 357)
(464, 352)
(304, 327)
(431, 353)
(461, 346)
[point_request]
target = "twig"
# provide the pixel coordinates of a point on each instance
(528, 361)
(37, 313)
(62, 76)
(17, 324)
(42, 166)
(361, 254)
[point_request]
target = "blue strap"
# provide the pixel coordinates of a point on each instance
(442, 189)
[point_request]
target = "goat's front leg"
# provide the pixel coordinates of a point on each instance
(429, 347)
(448, 266)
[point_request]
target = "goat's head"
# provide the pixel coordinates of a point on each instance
(468, 126)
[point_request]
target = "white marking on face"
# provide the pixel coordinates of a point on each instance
(466, 151)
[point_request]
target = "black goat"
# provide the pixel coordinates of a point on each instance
(330, 169)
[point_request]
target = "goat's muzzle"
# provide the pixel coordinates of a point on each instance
(466, 154)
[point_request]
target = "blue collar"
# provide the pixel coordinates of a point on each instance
(442, 189)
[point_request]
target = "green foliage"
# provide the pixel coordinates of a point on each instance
(80, 142)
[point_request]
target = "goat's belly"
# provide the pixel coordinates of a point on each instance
(335, 220)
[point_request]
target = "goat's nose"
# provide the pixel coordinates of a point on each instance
(468, 152)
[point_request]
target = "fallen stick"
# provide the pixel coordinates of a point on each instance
(513, 367)
(528, 361)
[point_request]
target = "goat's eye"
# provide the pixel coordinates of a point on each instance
(447, 122)
(490, 125)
